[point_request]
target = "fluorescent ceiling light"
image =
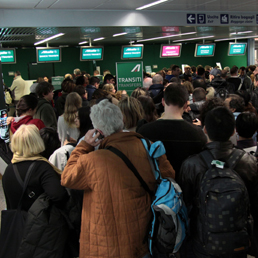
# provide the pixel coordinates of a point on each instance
(131, 42)
(193, 38)
(47, 39)
(247, 37)
(151, 4)
(241, 32)
(170, 36)
(98, 39)
(83, 42)
(119, 34)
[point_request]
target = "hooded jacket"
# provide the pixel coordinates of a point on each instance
(46, 113)
(116, 208)
(25, 120)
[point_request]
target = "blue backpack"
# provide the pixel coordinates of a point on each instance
(170, 221)
(169, 224)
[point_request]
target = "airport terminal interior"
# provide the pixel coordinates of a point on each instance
(185, 32)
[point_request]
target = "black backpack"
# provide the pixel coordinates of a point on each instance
(224, 210)
(221, 93)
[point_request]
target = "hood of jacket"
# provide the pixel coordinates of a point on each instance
(18, 121)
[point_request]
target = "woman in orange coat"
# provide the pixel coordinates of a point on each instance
(116, 209)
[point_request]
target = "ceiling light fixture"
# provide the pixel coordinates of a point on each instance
(241, 32)
(98, 39)
(247, 37)
(151, 4)
(170, 36)
(206, 37)
(47, 39)
(83, 42)
(119, 34)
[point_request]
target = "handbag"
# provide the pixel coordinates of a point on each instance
(13, 222)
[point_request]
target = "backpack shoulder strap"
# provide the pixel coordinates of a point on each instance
(235, 157)
(232, 161)
(130, 166)
(207, 157)
(26, 180)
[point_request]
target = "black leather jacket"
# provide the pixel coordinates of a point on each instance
(194, 168)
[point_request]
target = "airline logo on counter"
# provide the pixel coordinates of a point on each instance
(129, 76)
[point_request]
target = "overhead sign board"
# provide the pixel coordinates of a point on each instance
(45, 55)
(129, 76)
(170, 50)
(216, 18)
(204, 50)
(8, 56)
(91, 53)
(237, 49)
(132, 52)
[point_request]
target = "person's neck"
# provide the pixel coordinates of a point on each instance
(172, 112)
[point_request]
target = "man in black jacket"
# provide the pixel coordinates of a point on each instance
(219, 125)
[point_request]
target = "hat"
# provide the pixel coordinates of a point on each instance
(215, 72)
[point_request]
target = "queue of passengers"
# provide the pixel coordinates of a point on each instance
(64, 137)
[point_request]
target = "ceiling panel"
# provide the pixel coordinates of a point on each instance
(193, 5)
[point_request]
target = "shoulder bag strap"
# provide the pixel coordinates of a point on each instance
(207, 157)
(130, 166)
(26, 180)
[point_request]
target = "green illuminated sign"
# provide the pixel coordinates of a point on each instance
(129, 76)
(237, 49)
(49, 55)
(7, 55)
(132, 52)
(205, 50)
(91, 53)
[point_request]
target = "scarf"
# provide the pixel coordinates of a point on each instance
(16, 158)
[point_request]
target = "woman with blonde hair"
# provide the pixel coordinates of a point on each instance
(28, 165)
(132, 112)
(66, 127)
(110, 88)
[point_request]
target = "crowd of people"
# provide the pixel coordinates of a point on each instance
(65, 134)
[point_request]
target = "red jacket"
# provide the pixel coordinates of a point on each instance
(26, 120)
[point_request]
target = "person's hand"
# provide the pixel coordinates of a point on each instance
(9, 120)
(197, 122)
(92, 140)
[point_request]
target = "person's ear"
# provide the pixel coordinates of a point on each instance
(163, 102)
(185, 106)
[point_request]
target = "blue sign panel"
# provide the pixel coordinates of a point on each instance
(224, 19)
(201, 18)
(190, 17)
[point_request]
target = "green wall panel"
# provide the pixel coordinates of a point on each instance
(112, 54)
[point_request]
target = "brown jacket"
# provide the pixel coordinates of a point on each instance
(116, 208)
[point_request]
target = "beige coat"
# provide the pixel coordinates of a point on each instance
(18, 86)
(116, 209)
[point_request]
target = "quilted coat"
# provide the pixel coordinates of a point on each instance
(116, 209)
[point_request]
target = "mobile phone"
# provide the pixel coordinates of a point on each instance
(68, 136)
(4, 129)
(101, 136)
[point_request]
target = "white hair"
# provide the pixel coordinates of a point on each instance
(107, 117)
(157, 79)
(147, 82)
(77, 71)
